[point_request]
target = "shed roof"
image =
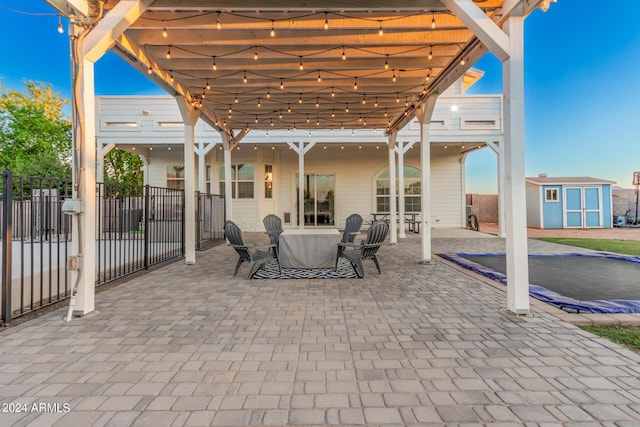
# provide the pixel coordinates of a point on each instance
(577, 180)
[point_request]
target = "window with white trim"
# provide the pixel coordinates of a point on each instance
(551, 194)
(241, 181)
(411, 191)
(175, 177)
(268, 181)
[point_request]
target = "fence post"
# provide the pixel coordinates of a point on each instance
(147, 213)
(198, 220)
(183, 221)
(7, 241)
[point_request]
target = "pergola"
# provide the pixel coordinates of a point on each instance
(319, 64)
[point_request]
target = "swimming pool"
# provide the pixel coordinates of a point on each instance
(582, 282)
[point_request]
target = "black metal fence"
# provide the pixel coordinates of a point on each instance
(136, 227)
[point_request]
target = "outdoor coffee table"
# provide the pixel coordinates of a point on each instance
(308, 248)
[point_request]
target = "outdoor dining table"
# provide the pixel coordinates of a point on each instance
(308, 248)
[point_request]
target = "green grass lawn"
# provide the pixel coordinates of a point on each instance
(626, 247)
(629, 336)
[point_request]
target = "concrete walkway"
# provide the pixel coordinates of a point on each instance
(416, 345)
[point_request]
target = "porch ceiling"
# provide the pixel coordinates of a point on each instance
(305, 65)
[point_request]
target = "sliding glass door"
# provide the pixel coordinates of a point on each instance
(318, 199)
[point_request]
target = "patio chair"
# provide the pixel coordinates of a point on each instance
(273, 226)
(256, 258)
(367, 249)
(351, 230)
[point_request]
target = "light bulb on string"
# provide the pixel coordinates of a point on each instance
(268, 94)
(380, 32)
(244, 78)
(308, 118)
(430, 52)
(301, 67)
(255, 54)
(394, 78)
(259, 104)
(355, 83)
(272, 33)
(208, 85)
(256, 120)
(344, 55)
(364, 99)
(214, 66)
(168, 55)
(433, 20)
(386, 63)
(397, 98)
(376, 103)
(333, 94)
(319, 77)
(281, 85)
(300, 99)
(326, 21)
(218, 24)
(317, 102)
(236, 99)
(346, 110)
(288, 108)
(164, 29)
(171, 76)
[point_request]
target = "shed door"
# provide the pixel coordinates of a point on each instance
(573, 207)
(583, 207)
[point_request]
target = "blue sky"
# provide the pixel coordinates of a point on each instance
(582, 100)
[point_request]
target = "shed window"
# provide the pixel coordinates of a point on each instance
(551, 195)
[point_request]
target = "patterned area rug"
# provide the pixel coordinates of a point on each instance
(270, 271)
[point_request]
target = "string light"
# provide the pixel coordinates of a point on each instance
(230, 110)
(168, 55)
(326, 21)
(288, 108)
(317, 102)
(149, 70)
(308, 118)
(294, 127)
(171, 76)
(385, 112)
(341, 126)
(380, 32)
(271, 122)
(333, 114)
(300, 99)
(394, 78)
(301, 66)
(346, 110)
(244, 78)
(280, 114)
(364, 99)
(375, 104)
(164, 29)
(259, 105)
(355, 83)
(397, 98)
(236, 99)
(462, 61)
(256, 120)
(333, 94)
(319, 77)
(204, 95)
(433, 20)
(430, 52)
(268, 94)
(255, 54)
(317, 122)
(281, 85)
(214, 66)
(344, 55)
(208, 85)
(386, 63)
(218, 24)
(272, 33)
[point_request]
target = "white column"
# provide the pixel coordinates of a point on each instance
(83, 236)
(400, 150)
(424, 114)
(301, 150)
(228, 195)
(514, 170)
(202, 187)
(393, 211)
(189, 116)
(301, 185)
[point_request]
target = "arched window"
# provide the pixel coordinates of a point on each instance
(411, 191)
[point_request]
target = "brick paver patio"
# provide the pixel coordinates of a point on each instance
(416, 345)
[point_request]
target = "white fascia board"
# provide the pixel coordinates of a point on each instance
(487, 31)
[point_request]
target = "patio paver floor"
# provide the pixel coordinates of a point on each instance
(416, 345)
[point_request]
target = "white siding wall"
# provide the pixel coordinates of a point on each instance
(533, 205)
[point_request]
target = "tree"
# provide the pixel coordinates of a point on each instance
(35, 134)
(122, 167)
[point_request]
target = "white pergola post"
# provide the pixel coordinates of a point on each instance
(401, 149)
(201, 176)
(228, 194)
(91, 45)
(190, 116)
(507, 44)
(496, 147)
(424, 114)
(301, 150)
(514, 169)
(393, 211)
(102, 151)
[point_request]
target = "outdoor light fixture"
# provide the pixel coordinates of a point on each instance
(164, 29)
(380, 32)
(386, 63)
(430, 52)
(433, 20)
(326, 21)
(214, 66)
(272, 33)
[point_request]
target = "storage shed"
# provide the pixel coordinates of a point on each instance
(569, 202)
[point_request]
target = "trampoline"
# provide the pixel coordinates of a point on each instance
(577, 282)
